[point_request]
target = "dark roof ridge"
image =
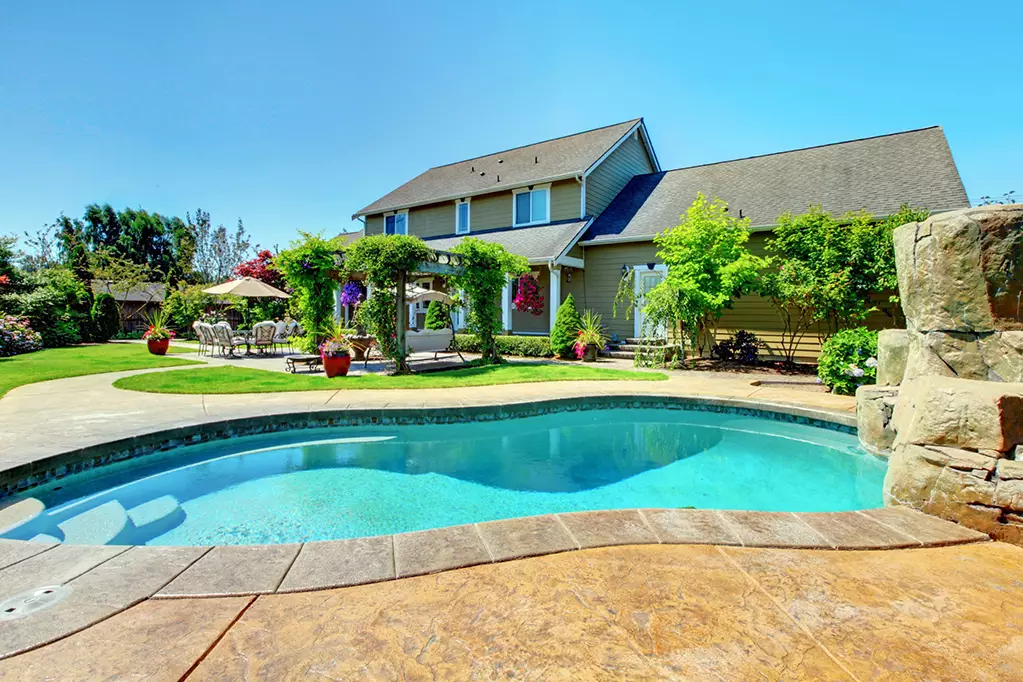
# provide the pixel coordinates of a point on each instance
(798, 149)
(533, 144)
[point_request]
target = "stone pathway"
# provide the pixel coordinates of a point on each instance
(638, 612)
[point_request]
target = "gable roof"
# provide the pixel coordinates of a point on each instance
(556, 159)
(876, 173)
(538, 244)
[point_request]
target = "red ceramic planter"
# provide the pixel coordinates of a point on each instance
(158, 346)
(336, 366)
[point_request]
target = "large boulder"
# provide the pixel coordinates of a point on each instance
(963, 270)
(981, 356)
(975, 415)
(892, 354)
(875, 406)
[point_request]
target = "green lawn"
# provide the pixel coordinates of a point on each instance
(59, 363)
(245, 380)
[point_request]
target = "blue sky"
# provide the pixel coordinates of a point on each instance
(293, 115)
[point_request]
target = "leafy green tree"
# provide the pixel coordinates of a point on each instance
(438, 316)
(566, 328)
(10, 277)
(708, 267)
(53, 301)
(106, 318)
(185, 304)
(873, 247)
(486, 268)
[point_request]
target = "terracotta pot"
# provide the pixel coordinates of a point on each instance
(591, 353)
(158, 346)
(336, 365)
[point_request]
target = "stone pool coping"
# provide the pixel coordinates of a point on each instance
(18, 477)
(105, 580)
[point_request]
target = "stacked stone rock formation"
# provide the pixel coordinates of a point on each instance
(948, 406)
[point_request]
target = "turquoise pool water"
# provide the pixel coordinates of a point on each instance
(353, 481)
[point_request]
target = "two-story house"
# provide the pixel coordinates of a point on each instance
(583, 209)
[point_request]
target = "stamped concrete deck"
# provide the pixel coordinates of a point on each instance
(637, 612)
(463, 602)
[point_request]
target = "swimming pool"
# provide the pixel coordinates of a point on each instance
(356, 481)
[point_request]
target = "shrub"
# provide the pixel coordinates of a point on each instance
(743, 348)
(848, 360)
(46, 309)
(522, 346)
(17, 336)
(106, 318)
(185, 305)
(437, 316)
(566, 329)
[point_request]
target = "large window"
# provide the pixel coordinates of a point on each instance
(462, 217)
(531, 206)
(396, 223)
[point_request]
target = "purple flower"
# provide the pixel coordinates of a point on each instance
(351, 294)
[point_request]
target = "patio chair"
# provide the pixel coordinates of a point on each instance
(294, 330)
(198, 334)
(209, 337)
(226, 339)
(263, 335)
(281, 335)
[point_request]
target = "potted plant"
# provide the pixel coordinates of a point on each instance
(158, 336)
(591, 337)
(336, 352)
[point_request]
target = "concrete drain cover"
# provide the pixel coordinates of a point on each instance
(33, 601)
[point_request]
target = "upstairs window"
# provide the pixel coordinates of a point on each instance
(531, 206)
(462, 217)
(396, 223)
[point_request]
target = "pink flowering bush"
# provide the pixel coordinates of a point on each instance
(527, 296)
(16, 336)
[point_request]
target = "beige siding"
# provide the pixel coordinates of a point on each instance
(614, 172)
(432, 221)
(577, 287)
(565, 199)
(374, 224)
(604, 271)
(489, 211)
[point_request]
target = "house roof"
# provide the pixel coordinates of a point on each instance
(876, 173)
(537, 244)
(151, 292)
(562, 157)
(349, 237)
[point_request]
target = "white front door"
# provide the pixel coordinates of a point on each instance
(645, 280)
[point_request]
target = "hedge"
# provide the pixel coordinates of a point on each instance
(523, 346)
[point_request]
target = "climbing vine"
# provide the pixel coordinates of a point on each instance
(308, 266)
(381, 258)
(485, 270)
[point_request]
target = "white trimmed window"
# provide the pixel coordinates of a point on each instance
(396, 223)
(462, 217)
(531, 206)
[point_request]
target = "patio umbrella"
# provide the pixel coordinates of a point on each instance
(247, 287)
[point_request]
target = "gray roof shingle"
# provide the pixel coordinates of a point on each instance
(877, 174)
(540, 243)
(553, 159)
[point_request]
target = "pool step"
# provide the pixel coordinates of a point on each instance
(106, 524)
(155, 517)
